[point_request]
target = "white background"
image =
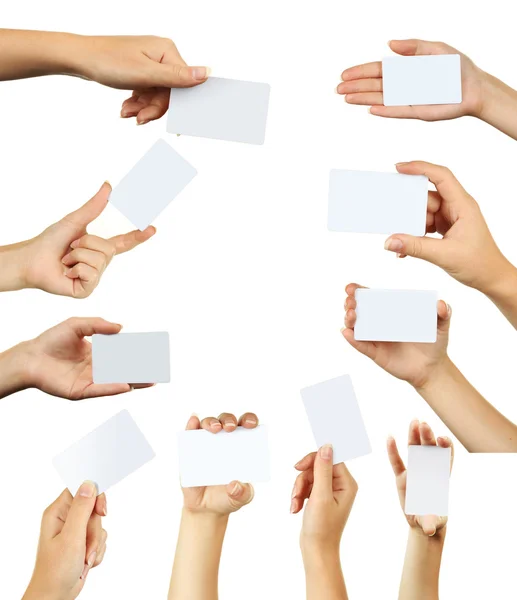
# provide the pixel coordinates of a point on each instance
(250, 285)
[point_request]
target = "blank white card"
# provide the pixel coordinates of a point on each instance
(428, 471)
(219, 458)
(370, 202)
(396, 315)
(335, 418)
(106, 455)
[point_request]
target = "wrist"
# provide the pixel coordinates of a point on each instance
(15, 369)
(318, 549)
(204, 518)
(435, 375)
(438, 539)
(504, 285)
(14, 265)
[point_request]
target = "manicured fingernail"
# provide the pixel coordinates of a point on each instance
(91, 559)
(216, 425)
(200, 73)
(75, 243)
(326, 452)
(142, 122)
(236, 490)
(88, 489)
(230, 425)
(393, 244)
(293, 506)
(251, 421)
(86, 568)
(401, 164)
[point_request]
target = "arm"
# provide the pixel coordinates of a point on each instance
(13, 265)
(499, 107)
(421, 570)
(13, 370)
(323, 574)
(503, 292)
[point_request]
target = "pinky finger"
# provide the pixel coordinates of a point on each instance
(364, 98)
(392, 112)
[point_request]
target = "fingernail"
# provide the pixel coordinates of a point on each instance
(65, 258)
(393, 244)
(326, 452)
(88, 489)
(293, 506)
(251, 421)
(449, 309)
(105, 511)
(401, 164)
(200, 73)
(343, 329)
(431, 534)
(216, 425)
(230, 425)
(293, 495)
(142, 122)
(86, 568)
(75, 243)
(236, 490)
(91, 559)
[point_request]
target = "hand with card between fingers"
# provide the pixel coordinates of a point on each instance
(204, 520)
(426, 532)
(466, 250)
(330, 492)
(148, 65)
(65, 259)
(72, 541)
(59, 362)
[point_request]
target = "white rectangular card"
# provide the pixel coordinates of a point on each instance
(156, 179)
(336, 419)
(131, 358)
(219, 458)
(396, 315)
(106, 455)
(419, 80)
(221, 109)
(427, 491)
(370, 202)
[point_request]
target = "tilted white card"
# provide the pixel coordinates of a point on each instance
(131, 358)
(396, 315)
(420, 80)
(106, 455)
(222, 109)
(156, 179)
(370, 202)
(219, 458)
(336, 419)
(428, 471)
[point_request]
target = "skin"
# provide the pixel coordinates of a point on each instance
(330, 492)
(148, 65)
(420, 575)
(483, 96)
(427, 367)
(59, 362)
(72, 541)
(65, 259)
(204, 520)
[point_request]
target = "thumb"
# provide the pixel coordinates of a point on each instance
(239, 494)
(323, 471)
(432, 250)
(92, 209)
(428, 524)
(80, 511)
(415, 47)
(178, 75)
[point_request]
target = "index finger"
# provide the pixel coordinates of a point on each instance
(249, 420)
(442, 178)
(128, 241)
(365, 71)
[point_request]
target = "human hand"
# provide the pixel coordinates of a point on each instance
(409, 361)
(363, 85)
(419, 434)
(72, 541)
(66, 260)
(221, 500)
(149, 65)
(467, 251)
(59, 361)
(330, 491)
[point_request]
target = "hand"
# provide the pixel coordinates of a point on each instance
(220, 499)
(149, 65)
(72, 541)
(363, 85)
(467, 250)
(409, 361)
(59, 361)
(66, 260)
(419, 434)
(330, 491)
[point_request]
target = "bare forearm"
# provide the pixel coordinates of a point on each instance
(323, 574)
(478, 425)
(13, 370)
(421, 572)
(12, 267)
(198, 553)
(500, 106)
(503, 292)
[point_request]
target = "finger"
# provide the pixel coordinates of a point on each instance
(128, 241)
(449, 188)
(98, 390)
(101, 505)
(193, 423)
(178, 75)
(102, 548)
(430, 249)
(365, 99)
(350, 318)
(249, 420)
(211, 424)
(426, 435)
(351, 288)
(350, 303)
(100, 555)
(87, 326)
(393, 112)
(307, 462)
(85, 273)
(397, 464)
(366, 348)
(434, 201)
(323, 472)
(131, 107)
(301, 490)
(80, 511)
(93, 539)
(92, 209)
(368, 70)
(414, 433)
(415, 47)
(97, 260)
(444, 316)
(55, 515)
(228, 421)
(446, 442)
(93, 242)
(428, 524)
(239, 493)
(358, 86)
(342, 479)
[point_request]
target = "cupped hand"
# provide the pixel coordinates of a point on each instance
(330, 492)
(363, 85)
(409, 361)
(220, 499)
(66, 260)
(466, 251)
(419, 434)
(59, 361)
(72, 541)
